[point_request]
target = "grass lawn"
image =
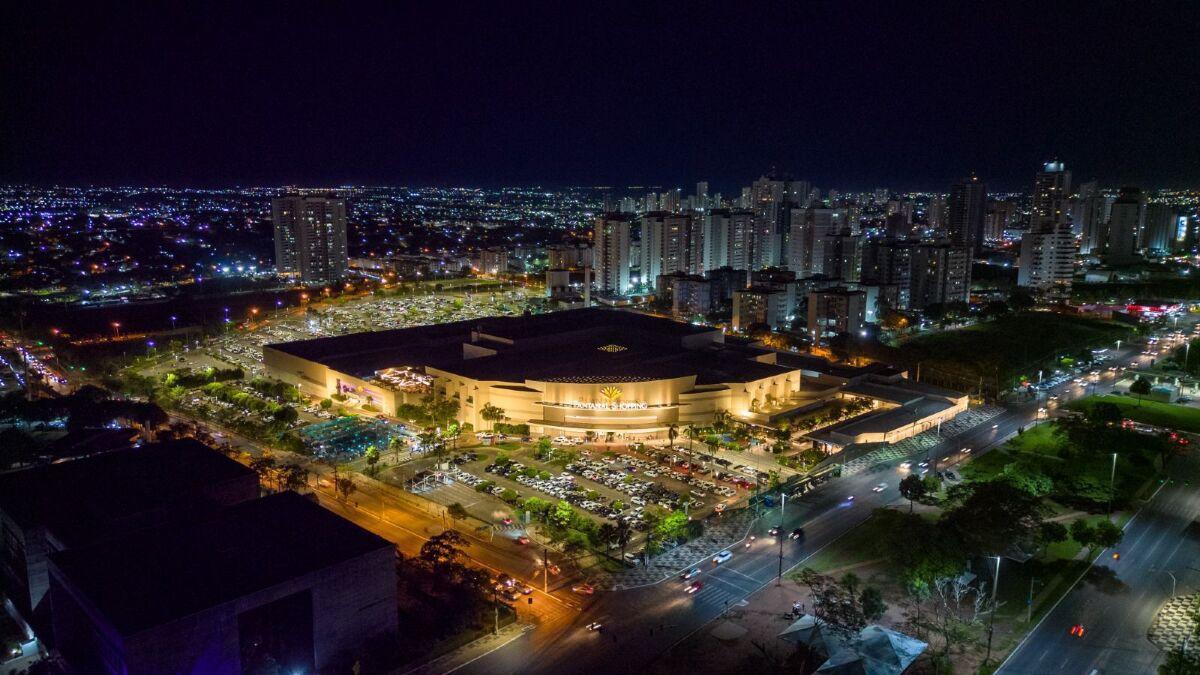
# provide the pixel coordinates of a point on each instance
(1154, 413)
(859, 545)
(1011, 345)
(1039, 440)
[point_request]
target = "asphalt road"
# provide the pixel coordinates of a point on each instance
(1117, 600)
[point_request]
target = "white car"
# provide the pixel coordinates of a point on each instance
(905, 465)
(721, 557)
(879, 488)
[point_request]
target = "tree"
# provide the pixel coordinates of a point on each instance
(623, 536)
(872, 603)
(1103, 534)
(372, 458)
(672, 434)
(293, 477)
(1020, 300)
(264, 466)
(1082, 533)
(721, 421)
(1140, 387)
(562, 514)
(432, 442)
(993, 517)
(439, 410)
(394, 444)
(457, 511)
(1027, 475)
(344, 486)
(1103, 412)
(912, 488)
(673, 526)
(921, 550)
(606, 534)
(491, 413)
(835, 602)
(443, 550)
(286, 414)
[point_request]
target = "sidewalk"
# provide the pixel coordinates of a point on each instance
(464, 655)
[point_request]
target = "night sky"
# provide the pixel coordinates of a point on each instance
(848, 95)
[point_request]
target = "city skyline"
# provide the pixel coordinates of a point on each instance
(852, 98)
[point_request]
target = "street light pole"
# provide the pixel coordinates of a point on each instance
(992, 619)
(782, 513)
(1111, 483)
(1029, 602)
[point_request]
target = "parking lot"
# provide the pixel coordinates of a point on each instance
(243, 347)
(609, 483)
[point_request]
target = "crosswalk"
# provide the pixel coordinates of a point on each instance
(719, 591)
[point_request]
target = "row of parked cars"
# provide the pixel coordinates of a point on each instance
(561, 487)
(623, 478)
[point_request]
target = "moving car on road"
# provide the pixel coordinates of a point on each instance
(583, 589)
(695, 571)
(721, 557)
(797, 533)
(879, 488)
(693, 587)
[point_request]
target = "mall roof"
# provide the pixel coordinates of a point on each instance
(440, 345)
(156, 576)
(80, 500)
(615, 355)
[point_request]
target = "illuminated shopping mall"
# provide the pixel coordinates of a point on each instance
(596, 370)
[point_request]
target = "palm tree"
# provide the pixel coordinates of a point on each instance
(672, 434)
(263, 466)
(394, 444)
(623, 535)
(607, 534)
(431, 441)
(720, 420)
(692, 434)
(293, 477)
(491, 413)
(712, 445)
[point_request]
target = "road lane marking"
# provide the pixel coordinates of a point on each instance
(1070, 588)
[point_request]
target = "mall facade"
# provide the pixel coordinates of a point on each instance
(617, 374)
